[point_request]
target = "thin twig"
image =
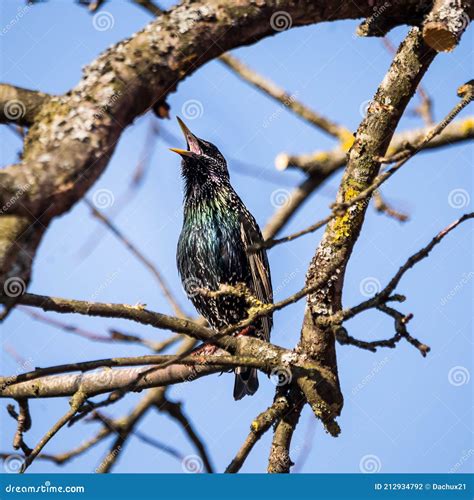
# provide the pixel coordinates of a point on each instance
(75, 403)
(144, 260)
(258, 427)
(402, 157)
(175, 411)
(288, 100)
(384, 208)
(382, 297)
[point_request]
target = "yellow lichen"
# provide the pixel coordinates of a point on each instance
(467, 125)
(320, 157)
(342, 223)
(347, 140)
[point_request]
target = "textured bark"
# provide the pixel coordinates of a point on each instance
(74, 135)
(279, 461)
(372, 140)
(19, 105)
(446, 22)
(71, 138)
(327, 162)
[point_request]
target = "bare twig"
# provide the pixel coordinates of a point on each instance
(258, 427)
(341, 208)
(144, 260)
(23, 419)
(75, 403)
(288, 100)
(176, 412)
(385, 295)
(384, 208)
(401, 321)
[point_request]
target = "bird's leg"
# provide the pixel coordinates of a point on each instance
(248, 330)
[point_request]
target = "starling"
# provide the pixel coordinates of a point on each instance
(213, 248)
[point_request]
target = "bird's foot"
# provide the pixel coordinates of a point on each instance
(205, 350)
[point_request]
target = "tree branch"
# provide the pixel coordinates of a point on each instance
(372, 139)
(330, 161)
(445, 24)
(74, 135)
(258, 427)
(288, 100)
(20, 106)
(279, 460)
(75, 403)
(358, 201)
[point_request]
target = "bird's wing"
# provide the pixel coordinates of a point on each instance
(259, 268)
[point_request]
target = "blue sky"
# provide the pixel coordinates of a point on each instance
(399, 407)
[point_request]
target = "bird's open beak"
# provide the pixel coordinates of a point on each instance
(182, 152)
(191, 141)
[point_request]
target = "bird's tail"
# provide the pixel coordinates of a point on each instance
(246, 382)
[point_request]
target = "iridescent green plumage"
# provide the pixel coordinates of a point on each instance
(213, 247)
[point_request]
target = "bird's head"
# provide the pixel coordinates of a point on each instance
(201, 161)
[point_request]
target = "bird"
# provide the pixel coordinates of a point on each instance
(213, 249)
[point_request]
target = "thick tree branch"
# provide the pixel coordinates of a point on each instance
(279, 460)
(446, 23)
(372, 139)
(357, 199)
(321, 165)
(74, 135)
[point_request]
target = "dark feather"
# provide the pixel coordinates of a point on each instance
(213, 248)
